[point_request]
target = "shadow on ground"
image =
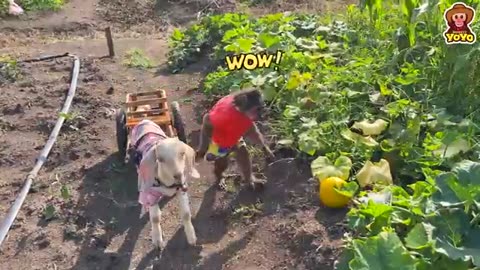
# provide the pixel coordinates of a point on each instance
(107, 208)
(210, 229)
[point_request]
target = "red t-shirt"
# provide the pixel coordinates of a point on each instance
(229, 125)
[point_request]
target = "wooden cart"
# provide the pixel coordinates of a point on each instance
(167, 117)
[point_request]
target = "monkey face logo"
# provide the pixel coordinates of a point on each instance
(458, 19)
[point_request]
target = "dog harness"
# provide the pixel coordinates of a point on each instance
(143, 138)
(229, 125)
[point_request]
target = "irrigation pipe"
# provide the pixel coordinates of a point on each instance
(13, 211)
(44, 58)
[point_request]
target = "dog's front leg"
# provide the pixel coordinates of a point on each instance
(186, 218)
(157, 234)
(169, 192)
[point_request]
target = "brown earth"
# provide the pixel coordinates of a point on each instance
(98, 225)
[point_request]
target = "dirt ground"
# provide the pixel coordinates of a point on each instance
(98, 225)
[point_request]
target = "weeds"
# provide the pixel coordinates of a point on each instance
(32, 5)
(49, 212)
(9, 70)
(247, 212)
(70, 116)
(64, 192)
(72, 120)
(136, 58)
(41, 4)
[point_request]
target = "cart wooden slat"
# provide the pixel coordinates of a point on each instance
(158, 111)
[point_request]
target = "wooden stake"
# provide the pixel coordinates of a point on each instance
(108, 35)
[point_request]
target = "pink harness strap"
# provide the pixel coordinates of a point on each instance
(149, 198)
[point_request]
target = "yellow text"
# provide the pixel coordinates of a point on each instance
(460, 38)
(253, 61)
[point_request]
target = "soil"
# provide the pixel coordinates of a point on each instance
(82, 210)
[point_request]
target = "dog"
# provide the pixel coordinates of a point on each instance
(163, 165)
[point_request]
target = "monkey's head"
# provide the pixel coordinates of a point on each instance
(459, 15)
(250, 102)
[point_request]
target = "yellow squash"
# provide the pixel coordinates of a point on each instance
(329, 196)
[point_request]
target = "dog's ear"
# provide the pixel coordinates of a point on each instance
(190, 160)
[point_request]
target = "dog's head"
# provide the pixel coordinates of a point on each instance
(173, 159)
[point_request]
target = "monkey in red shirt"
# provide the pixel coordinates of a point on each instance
(223, 129)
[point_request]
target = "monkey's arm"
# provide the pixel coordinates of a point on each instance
(257, 138)
(205, 136)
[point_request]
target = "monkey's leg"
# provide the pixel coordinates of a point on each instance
(205, 136)
(220, 165)
(245, 165)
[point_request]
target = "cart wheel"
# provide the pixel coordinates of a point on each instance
(122, 132)
(178, 123)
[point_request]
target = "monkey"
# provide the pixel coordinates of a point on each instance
(223, 131)
(458, 17)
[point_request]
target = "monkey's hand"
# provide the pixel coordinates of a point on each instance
(270, 156)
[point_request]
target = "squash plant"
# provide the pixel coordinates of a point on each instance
(383, 60)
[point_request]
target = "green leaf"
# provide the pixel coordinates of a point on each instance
(177, 34)
(346, 256)
(470, 251)
(377, 210)
(382, 252)
(444, 195)
(445, 263)
(420, 236)
(451, 224)
(349, 189)
(136, 58)
(468, 172)
(308, 142)
(268, 40)
(67, 116)
(294, 80)
(291, 111)
(269, 93)
(229, 35)
(371, 217)
(49, 212)
(462, 185)
(245, 44)
(65, 192)
(323, 168)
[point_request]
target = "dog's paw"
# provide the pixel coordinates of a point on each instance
(192, 240)
(158, 241)
(160, 245)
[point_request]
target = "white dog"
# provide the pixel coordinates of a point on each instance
(163, 165)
